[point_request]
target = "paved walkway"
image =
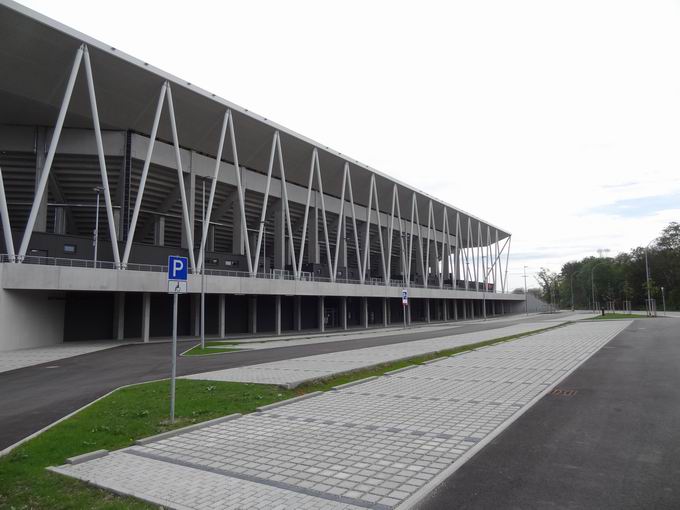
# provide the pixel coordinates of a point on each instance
(293, 372)
(381, 444)
(12, 360)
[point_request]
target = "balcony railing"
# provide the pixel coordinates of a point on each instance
(275, 274)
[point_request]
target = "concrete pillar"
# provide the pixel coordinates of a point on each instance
(408, 314)
(210, 240)
(40, 146)
(222, 316)
(455, 310)
(502, 308)
(277, 314)
(322, 314)
(464, 310)
(385, 309)
(472, 309)
(313, 253)
(297, 318)
(279, 237)
(364, 312)
(119, 316)
(388, 312)
(252, 314)
(59, 220)
(159, 231)
(189, 187)
(493, 308)
(146, 316)
(427, 310)
(343, 312)
(196, 313)
(446, 310)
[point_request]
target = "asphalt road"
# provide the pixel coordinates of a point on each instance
(614, 444)
(33, 397)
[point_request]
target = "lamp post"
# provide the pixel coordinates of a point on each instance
(95, 234)
(526, 303)
(649, 293)
(663, 296)
(203, 275)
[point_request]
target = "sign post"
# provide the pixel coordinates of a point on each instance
(177, 284)
(404, 302)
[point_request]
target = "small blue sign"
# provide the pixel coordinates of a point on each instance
(178, 268)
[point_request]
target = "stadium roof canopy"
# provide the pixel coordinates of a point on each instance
(36, 56)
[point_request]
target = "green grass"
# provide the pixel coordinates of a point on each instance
(140, 411)
(211, 348)
(610, 316)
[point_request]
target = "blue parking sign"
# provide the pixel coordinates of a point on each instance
(178, 268)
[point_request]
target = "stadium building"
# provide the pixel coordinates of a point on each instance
(108, 166)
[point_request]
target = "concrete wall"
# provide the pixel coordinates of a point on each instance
(30, 319)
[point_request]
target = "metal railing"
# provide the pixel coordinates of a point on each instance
(275, 274)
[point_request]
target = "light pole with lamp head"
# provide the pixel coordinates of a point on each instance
(95, 237)
(649, 292)
(663, 296)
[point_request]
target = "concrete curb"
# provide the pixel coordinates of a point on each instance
(354, 383)
(171, 433)
(289, 401)
(399, 370)
(434, 360)
(78, 459)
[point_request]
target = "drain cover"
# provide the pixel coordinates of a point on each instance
(563, 392)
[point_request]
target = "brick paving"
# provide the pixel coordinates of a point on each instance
(296, 371)
(379, 444)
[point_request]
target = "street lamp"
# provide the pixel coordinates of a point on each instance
(526, 303)
(649, 293)
(663, 296)
(95, 234)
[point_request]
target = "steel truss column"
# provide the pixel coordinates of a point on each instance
(6, 228)
(145, 173)
(102, 160)
(44, 176)
(180, 179)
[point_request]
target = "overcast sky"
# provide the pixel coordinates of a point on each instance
(558, 121)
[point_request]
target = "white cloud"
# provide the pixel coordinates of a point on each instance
(528, 113)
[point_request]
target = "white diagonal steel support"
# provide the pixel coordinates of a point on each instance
(357, 249)
(241, 195)
(213, 187)
(102, 160)
(282, 171)
(380, 237)
(341, 223)
(145, 173)
(42, 183)
(4, 215)
(310, 180)
(263, 215)
(323, 213)
(180, 177)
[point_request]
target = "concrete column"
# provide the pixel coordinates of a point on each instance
(196, 313)
(277, 314)
(297, 317)
(502, 308)
(427, 310)
(238, 246)
(313, 253)
(119, 316)
(159, 231)
(60, 220)
(40, 146)
(343, 312)
(342, 251)
(455, 310)
(446, 310)
(146, 316)
(364, 312)
(322, 314)
(385, 309)
(279, 237)
(493, 308)
(210, 240)
(388, 312)
(189, 187)
(222, 316)
(464, 310)
(252, 314)
(408, 314)
(472, 309)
